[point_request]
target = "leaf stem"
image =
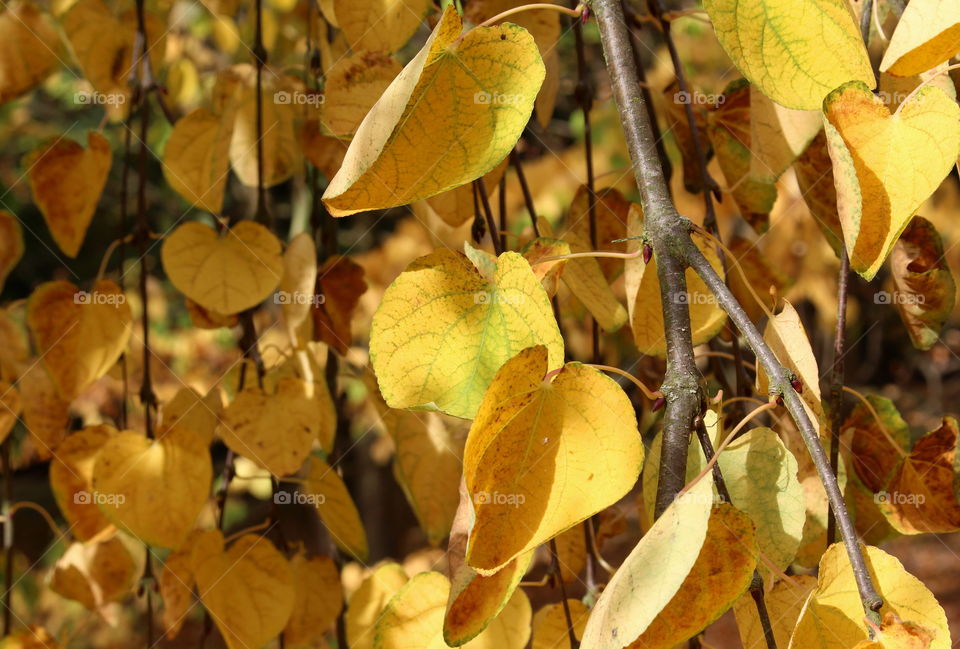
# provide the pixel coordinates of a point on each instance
(576, 13)
(652, 395)
(26, 504)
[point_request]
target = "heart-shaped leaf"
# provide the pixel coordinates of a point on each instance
(228, 273)
(80, 335)
(543, 455)
(886, 165)
(28, 49)
(927, 34)
(369, 600)
(443, 330)
(452, 115)
(153, 489)
(71, 480)
(66, 181)
(196, 159)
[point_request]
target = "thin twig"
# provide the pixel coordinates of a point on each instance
(481, 189)
(836, 381)
(558, 574)
(525, 189)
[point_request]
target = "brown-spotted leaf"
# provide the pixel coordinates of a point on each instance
(340, 281)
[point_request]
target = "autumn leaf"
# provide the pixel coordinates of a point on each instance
(795, 55)
(176, 581)
(226, 273)
(11, 405)
(71, 480)
(336, 508)
(66, 181)
(379, 25)
(815, 177)
(317, 601)
(95, 572)
(611, 211)
(924, 289)
(80, 335)
(451, 116)
(457, 206)
(875, 452)
(248, 588)
(788, 340)
(354, 84)
(11, 243)
(153, 489)
(191, 411)
(45, 413)
(762, 276)
(784, 601)
(443, 330)
(196, 159)
(927, 35)
(657, 567)
(778, 135)
(367, 602)
(721, 573)
(893, 633)
(550, 629)
(341, 283)
(833, 615)
(537, 450)
(28, 49)
(885, 165)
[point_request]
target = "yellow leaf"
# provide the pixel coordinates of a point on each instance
(456, 206)
(336, 508)
(354, 84)
(548, 272)
(80, 335)
(228, 273)
(276, 431)
(452, 115)
(543, 455)
(414, 618)
(722, 572)
(784, 602)
(11, 243)
(248, 589)
(927, 35)
(202, 318)
(95, 573)
(572, 553)
(778, 135)
(886, 165)
(644, 298)
(198, 414)
(763, 276)
(379, 25)
(297, 286)
(45, 413)
(318, 599)
(443, 330)
(586, 281)
(28, 49)
(550, 630)
(657, 567)
(369, 600)
(611, 210)
(476, 601)
(794, 53)
(896, 634)
(66, 181)
(196, 159)
(71, 480)
(153, 489)
(833, 615)
(281, 151)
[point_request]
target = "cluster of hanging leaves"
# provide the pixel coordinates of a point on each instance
(408, 105)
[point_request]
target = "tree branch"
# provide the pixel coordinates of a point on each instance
(662, 223)
(669, 234)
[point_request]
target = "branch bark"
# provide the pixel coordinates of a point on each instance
(669, 234)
